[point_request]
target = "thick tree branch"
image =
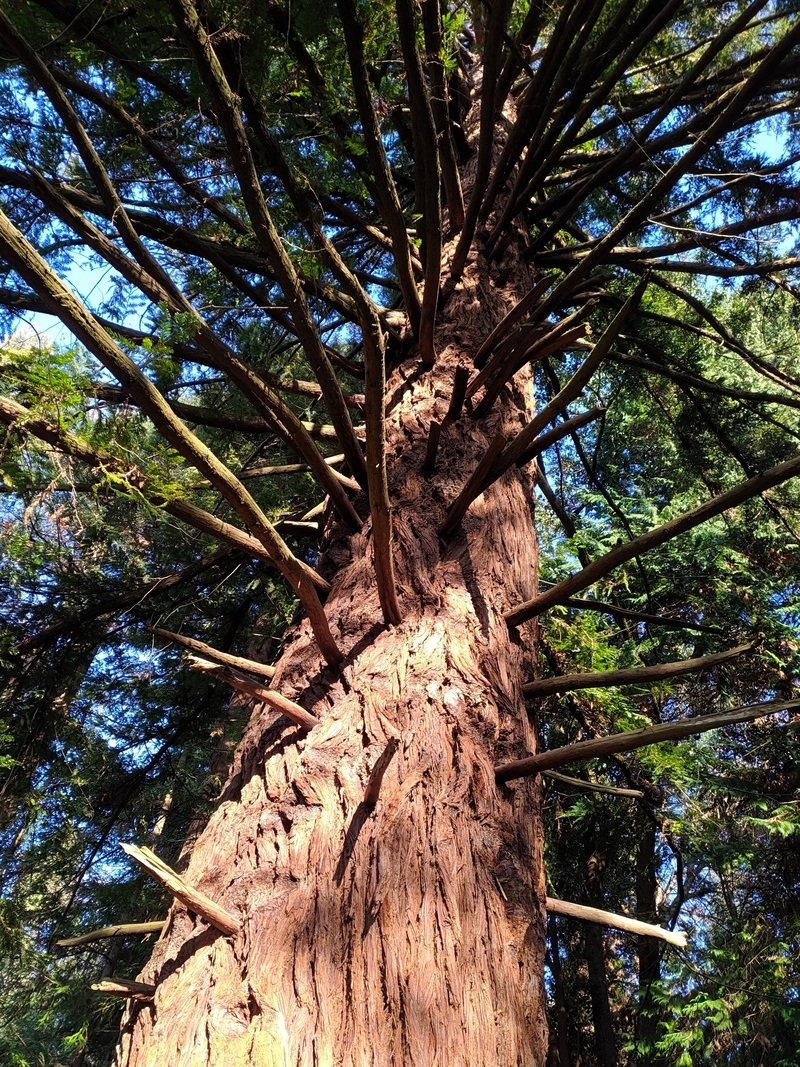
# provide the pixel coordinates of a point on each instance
(191, 898)
(567, 683)
(128, 479)
(631, 740)
(21, 255)
(718, 117)
(548, 128)
(703, 385)
(528, 344)
(278, 415)
(610, 918)
(226, 105)
(226, 658)
(652, 539)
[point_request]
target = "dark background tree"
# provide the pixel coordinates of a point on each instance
(342, 287)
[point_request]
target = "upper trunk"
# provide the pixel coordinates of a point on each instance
(410, 932)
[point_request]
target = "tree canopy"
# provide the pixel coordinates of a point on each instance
(251, 223)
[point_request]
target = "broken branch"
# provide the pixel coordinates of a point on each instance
(123, 987)
(237, 662)
(191, 898)
(120, 930)
(431, 449)
(610, 918)
(276, 700)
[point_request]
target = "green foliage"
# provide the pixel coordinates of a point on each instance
(103, 736)
(725, 804)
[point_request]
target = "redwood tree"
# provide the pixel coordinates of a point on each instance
(436, 216)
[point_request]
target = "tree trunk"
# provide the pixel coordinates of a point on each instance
(649, 951)
(558, 1051)
(412, 931)
(605, 1041)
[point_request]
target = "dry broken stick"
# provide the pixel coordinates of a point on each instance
(120, 930)
(237, 662)
(123, 987)
(460, 382)
(432, 447)
(610, 918)
(272, 697)
(453, 413)
(191, 898)
(472, 489)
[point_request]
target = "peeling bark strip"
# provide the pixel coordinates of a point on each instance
(630, 740)
(121, 930)
(376, 774)
(191, 898)
(619, 922)
(567, 683)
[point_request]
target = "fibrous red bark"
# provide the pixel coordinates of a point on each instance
(410, 931)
